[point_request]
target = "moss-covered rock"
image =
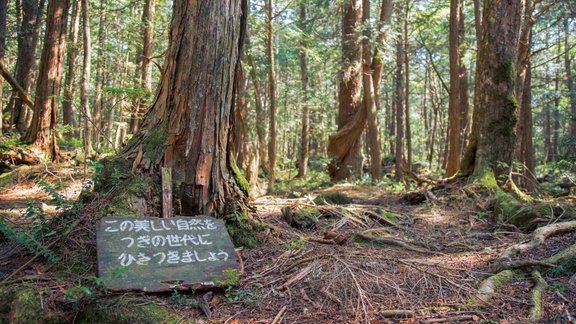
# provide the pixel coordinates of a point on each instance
(334, 198)
(241, 227)
(126, 311)
(303, 218)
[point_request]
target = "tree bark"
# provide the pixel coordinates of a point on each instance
(260, 116)
(25, 63)
(73, 52)
(399, 174)
(100, 65)
(86, 115)
(407, 87)
(497, 107)
(454, 103)
(272, 93)
(304, 134)
(187, 127)
(571, 153)
(344, 147)
(3, 15)
(41, 132)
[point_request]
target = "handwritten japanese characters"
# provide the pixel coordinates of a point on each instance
(154, 254)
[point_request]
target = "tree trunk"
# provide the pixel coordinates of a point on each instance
(86, 115)
(407, 84)
(68, 117)
(239, 131)
(454, 103)
(304, 134)
(25, 63)
(260, 116)
(41, 132)
(187, 127)
(344, 147)
(399, 174)
(571, 153)
(100, 65)
(497, 106)
(272, 94)
(145, 63)
(369, 99)
(3, 15)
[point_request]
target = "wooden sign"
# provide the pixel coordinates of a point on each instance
(155, 254)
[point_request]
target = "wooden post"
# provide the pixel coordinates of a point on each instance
(166, 192)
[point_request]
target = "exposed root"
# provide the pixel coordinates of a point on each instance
(562, 256)
(538, 237)
(536, 310)
(393, 242)
(489, 285)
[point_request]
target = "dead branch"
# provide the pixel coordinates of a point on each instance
(14, 84)
(393, 242)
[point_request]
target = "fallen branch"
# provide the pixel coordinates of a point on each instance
(17, 87)
(392, 313)
(279, 315)
(536, 310)
(393, 242)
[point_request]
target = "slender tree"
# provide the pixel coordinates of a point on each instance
(85, 88)
(304, 135)
(72, 54)
(272, 93)
(3, 15)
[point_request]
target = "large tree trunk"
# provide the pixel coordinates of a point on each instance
(41, 133)
(455, 102)
(100, 65)
(497, 107)
(344, 147)
(304, 134)
(187, 127)
(272, 93)
(68, 117)
(26, 62)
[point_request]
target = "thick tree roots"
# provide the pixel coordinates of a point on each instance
(536, 310)
(489, 285)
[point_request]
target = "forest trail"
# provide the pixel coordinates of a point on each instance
(381, 257)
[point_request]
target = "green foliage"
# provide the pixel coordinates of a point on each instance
(241, 295)
(178, 300)
(296, 244)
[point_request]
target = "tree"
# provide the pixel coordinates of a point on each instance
(27, 41)
(344, 146)
(272, 93)
(86, 115)
(72, 54)
(304, 134)
(495, 112)
(41, 133)
(455, 103)
(186, 130)
(3, 16)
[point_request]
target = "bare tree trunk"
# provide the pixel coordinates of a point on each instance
(344, 147)
(145, 63)
(454, 104)
(571, 153)
(25, 63)
(272, 93)
(304, 135)
(3, 16)
(407, 84)
(41, 132)
(100, 65)
(85, 87)
(239, 131)
(369, 100)
(70, 81)
(399, 112)
(260, 116)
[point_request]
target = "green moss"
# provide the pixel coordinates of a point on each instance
(155, 141)
(334, 198)
(241, 228)
(26, 308)
(239, 177)
(306, 218)
(119, 310)
(6, 297)
(484, 176)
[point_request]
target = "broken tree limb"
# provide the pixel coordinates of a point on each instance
(536, 310)
(17, 87)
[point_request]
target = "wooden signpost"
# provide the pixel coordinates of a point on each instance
(162, 254)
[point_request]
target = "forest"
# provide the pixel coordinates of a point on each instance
(371, 161)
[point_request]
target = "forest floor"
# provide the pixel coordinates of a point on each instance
(379, 258)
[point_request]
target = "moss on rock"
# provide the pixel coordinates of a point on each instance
(26, 307)
(120, 311)
(241, 227)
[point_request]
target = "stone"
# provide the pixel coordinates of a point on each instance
(151, 254)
